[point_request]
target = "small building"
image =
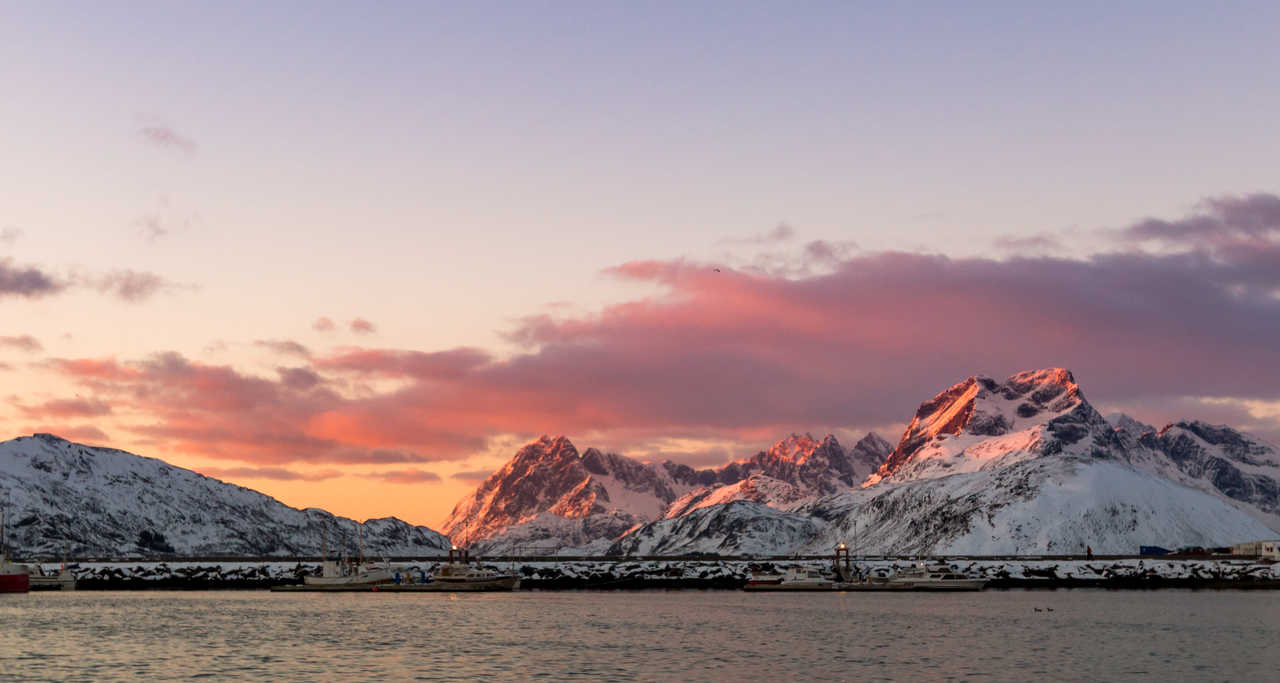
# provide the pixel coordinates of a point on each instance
(1268, 549)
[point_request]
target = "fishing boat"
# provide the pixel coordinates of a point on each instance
(344, 573)
(14, 578)
(458, 575)
(41, 580)
(765, 579)
(338, 573)
(793, 580)
(936, 578)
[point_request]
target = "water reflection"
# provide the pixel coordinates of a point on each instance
(642, 635)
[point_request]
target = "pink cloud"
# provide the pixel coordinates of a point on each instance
(323, 324)
(83, 433)
(286, 347)
(165, 137)
(744, 356)
(472, 475)
(70, 407)
(274, 473)
(26, 281)
(362, 326)
(405, 477)
(24, 342)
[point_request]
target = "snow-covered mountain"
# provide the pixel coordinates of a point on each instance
(67, 499)
(796, 470)
(1021, 466)
(1024, 465)
(1215, 459)
(548, 496)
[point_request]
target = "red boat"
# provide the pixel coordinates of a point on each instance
(13, 577)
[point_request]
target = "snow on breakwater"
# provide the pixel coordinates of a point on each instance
(726, 574)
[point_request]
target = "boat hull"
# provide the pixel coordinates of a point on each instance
(791, 586)
(943, 586)
(15, 583)
(507, 583)
(954, 585)
(52, 583)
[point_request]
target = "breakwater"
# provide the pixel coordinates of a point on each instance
(718, 574)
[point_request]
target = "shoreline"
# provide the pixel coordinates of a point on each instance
(702, 574)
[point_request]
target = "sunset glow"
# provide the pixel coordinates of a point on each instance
(357, 267)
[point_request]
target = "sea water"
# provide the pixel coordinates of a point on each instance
(644, 635)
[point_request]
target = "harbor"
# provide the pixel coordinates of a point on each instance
(729, 573)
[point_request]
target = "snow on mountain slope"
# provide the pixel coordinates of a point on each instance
(1219, 460)
(548, 476)
(68, 499)
(795, 470)
(757, 488)
(982, 424)
(736, 528)
(1023, 466)
(1049, 505)
(531, 501)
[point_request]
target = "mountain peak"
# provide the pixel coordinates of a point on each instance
(980, 407)
(797, 448)
(71, 498)
(547, 448)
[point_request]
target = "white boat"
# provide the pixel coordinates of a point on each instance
(41, 580)
(337, 573)
(936, 578)
(793, 580)
(460, 575)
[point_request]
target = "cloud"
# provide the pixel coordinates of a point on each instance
(362, 326)
(405, 477)
(152, 227)
(452, 364)
(742, 356)
(822, 252)
(1029, 244)
(285, 347)
(274, 473)
(32, 282)
(131, 285)
(69, 407)
(323, 324)
(299, 379)
(471, 475)
(167, 138)
(780, 233)
(26, 281)
(80, 433)
(218, 412)
(1216, 220)
(23, 342)
(10, 234)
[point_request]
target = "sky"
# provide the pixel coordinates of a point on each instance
(353, 255)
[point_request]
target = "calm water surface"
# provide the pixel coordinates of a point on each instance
(1089, 635)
